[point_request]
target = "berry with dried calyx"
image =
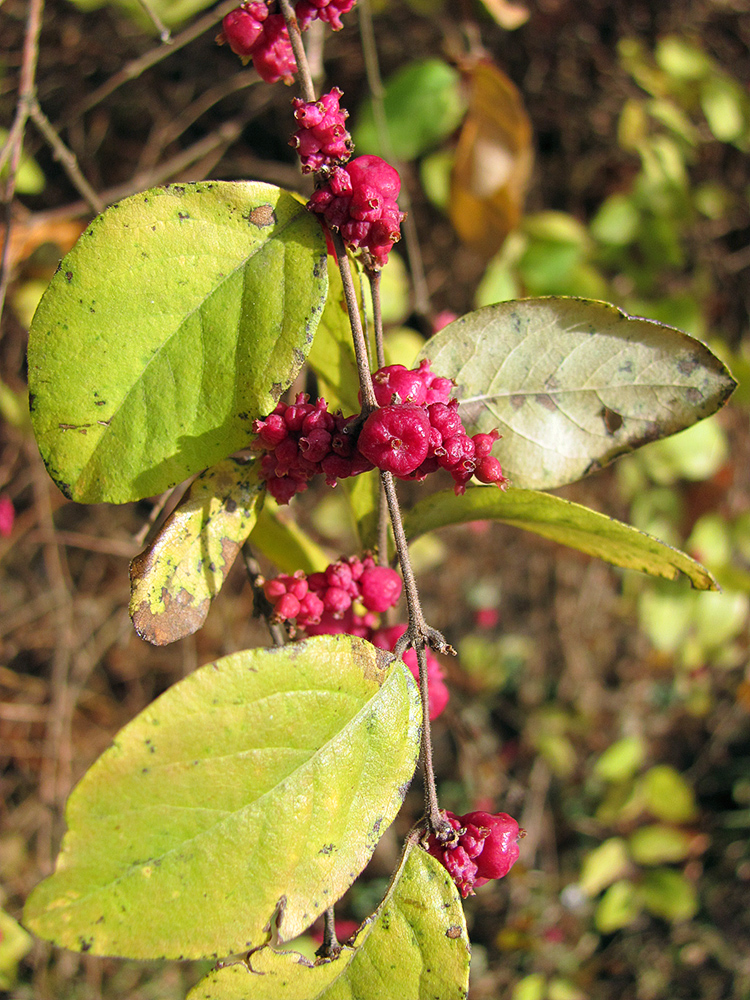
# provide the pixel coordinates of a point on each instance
(322, 140)
(485, 848)
(438, 695)
(396, 438)
(272, 54)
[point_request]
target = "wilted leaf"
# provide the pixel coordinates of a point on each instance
(414, 947)
(245, 800)
(179, 317)
(493, 161)
(573, 383)
(423, 104)
(173, 582)
(561, 521)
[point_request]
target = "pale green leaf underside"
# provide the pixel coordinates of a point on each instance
(173, 582)
(573, 383)
(177, 319)
(249, 795)
(414, 947)
(561, 521)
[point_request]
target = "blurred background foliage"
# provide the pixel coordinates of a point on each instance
(595, 149)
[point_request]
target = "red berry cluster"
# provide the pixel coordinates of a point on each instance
(324, 10)
(322, 140)
(322, 603)
(416, 430)
(302, 440)
(486, 848)
(252, 33)
(359, 200)
(386, 638)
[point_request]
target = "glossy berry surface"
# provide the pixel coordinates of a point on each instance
(396, 438)
(485, 848)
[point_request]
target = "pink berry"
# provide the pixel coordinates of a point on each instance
(396, 438)
(272, 54)
(487, 848)
(397, 381)
(380, 588)
(286, 607)
(326, 10)
(242, 29)
(488, 470)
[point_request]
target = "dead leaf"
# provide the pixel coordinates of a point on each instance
(493, 161)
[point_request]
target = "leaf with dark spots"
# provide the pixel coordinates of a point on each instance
(199, 317)
(285, 765)
(414, 947)
(175, 579)
(571, 384)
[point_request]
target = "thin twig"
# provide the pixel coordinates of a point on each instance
(330, 947)
(369, 402)
(14, 146)
(408, 226)
(295, 37)
(138, 66)
(262, 603)
(377, 315)
(66, 157)
(165, 35)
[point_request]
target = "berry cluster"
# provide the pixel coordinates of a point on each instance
(386, 638)
(322, 140)
(415, 430)
(252, 33)
(359, 200)
(322, 603)
(486, 848)
(302, 440)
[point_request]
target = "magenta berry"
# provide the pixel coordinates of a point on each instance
(272, 54)
(380, 588)
(486, 848)
(396, 384)
(396, 438)
(322, 140)
(359, 199)
(242, 28)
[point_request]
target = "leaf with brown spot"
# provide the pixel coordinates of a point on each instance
(571, 383)
(175, 579)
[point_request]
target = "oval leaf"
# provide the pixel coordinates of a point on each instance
(574, 383)
(241, 804)
(561, 521)
(174, 580)
(414, 947)
(179, 317)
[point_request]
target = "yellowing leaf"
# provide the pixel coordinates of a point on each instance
(175, 579)
(493, 161)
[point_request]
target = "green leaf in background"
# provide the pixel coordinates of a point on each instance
(281, 540)
(668, 796)
(14, 944)
(414, 947)
(174, 580)
(331, 356)
(621, 760)
(561, 521)
(618, 907)
(668, 894)
(363, 493)
(423, 104)
(30, 178)
(574, 383)
(179, 317)
(604, 865)
(658, 844)
(238, 807)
